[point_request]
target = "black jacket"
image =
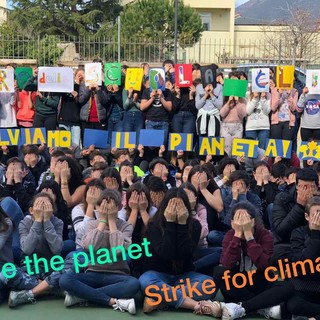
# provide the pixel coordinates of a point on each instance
(305, 244)
(287, 215)
(22, 193)
(70, 109)
(40, 167)
(172, 249)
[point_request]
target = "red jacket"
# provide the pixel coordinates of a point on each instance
(260, 250)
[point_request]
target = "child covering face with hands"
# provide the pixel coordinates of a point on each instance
(174, 235)
(248, 249)
(40, 234)
(139, 211)
(108, 284)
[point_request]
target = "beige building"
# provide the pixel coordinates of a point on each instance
(223, 41)
(3, 11)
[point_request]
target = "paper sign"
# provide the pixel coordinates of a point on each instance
(9, 137)
(59, 138)
(309, 151)
(123, 140)
(246, 147)
(211, 146)
(260, 80)
(183, 75)
(22, 76)
(98, 138)
(18, 137)
(313, 81)
(32, 136)
(157, 79)
(209, 74)
(235, 88)
(285, 77)
(93, 74)
(6, 80)
(151, 138)
(55, 79)
(278, 148)
(112, 73)
(180, 141)
(134, 78)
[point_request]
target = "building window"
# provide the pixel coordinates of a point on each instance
(206, 21)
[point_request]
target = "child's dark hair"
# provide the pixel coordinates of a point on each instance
(168, 61)
(112, 173)
(250, 208)
(278, 170)
(43, 195)
(57, 153)
(159, 219)
(30, 149)
(76, 179)
(240, 175)
(99, 166)
(307, 174)
(139, 187)
(261, 164)
(96, 153)
(155, 161)
(314, 201)
(156, 184)
(98, 183)
(109, 194)
(126, 163)
(17, 160)
(226, 161)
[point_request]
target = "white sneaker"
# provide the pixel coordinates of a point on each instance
(72, 300)
(273, 312)
(20, 297)
(231, 311)
(125, 305)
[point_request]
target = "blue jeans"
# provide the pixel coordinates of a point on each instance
(133, 121)
(100, 287)
(167, 280)
(215, 238)
(115, 124)
(75, 133)
(261, 135)
(159, 125)
(207, 258)
(15, 213)
(68, 246)
(183, 122)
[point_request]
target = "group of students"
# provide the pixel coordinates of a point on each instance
(203, 218)
(203, 215)
(201, 109)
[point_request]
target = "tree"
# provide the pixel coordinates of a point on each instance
(152, 21)
(296, 39)
(62, 17)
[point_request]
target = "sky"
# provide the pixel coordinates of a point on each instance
(240, 2)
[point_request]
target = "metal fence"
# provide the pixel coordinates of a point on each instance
(53, 50)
